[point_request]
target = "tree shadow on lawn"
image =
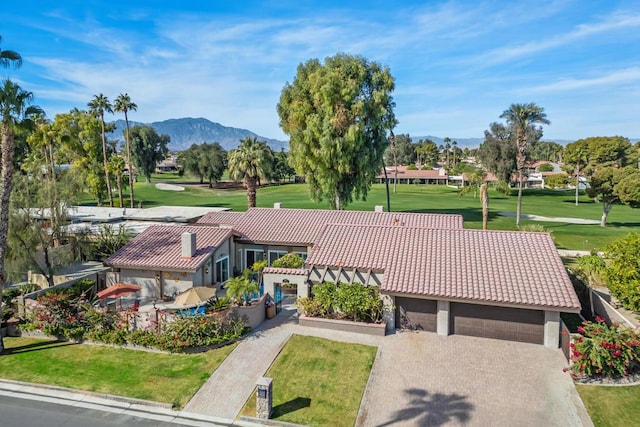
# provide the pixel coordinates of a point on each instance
(434, 409)
(291, 406)
(36, 346)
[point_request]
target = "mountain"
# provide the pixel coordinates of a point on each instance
(186, 131)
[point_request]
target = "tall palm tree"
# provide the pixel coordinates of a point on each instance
(251, 162)
(98, 105)
(15, 110)
(521, 117)
(123, 104)
(9, 58)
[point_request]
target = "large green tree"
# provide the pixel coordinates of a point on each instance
(405, 152)
(250, 163)
(609, 183)
(204, 161)
(99, 105)
(123, 104)
(427, 153)
(15, 111)
(9, 58)
(337, 115)
(521, 117)
(497, 153)
(148, 148)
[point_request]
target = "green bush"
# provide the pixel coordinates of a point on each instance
(412, 167)
(358, 302)
(325, 295)
(622, 273)
(545, 167)
(608, 351)
(310, 307)
(351, 301)
(290, 260)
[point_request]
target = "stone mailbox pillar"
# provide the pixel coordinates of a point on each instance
(264, 397)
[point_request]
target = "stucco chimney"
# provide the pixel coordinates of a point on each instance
(188, 244)
(379, 208)
(277, 205)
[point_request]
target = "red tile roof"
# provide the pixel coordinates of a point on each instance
(221, 218)
(282, 270)
(504, 267)
(160, 247)
(404, 173)
(302, 226)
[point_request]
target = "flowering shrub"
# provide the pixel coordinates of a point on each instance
(200, 331)
(608, 351)
(59, 314)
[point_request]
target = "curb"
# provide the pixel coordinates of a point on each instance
(114, 404)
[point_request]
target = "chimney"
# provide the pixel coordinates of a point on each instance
(188, 244)
(277, 205)
(379, 208)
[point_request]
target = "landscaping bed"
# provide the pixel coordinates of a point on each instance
(377, 329)
(318, 382)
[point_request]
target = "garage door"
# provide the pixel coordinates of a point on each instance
(414, 313)
(503, 323)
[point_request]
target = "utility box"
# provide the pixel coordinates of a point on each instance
(264, 397)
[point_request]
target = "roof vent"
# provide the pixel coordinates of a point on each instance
(379, 208)
(188, 244)
(277, 205)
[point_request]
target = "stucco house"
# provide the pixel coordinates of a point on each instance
(433, 274)
(166, 260)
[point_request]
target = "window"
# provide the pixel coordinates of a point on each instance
(302, 255)
(251, 256)
(222, 269)
(274, 255)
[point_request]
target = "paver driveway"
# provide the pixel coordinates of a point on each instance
(422, 379)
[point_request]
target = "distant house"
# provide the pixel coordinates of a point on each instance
(411, 176)
(433, 274)
(169, 164)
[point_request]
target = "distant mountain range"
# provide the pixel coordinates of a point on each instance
(187, 131)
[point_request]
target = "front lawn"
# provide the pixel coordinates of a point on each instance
(611, 406)
(318, 382)
(170, 378)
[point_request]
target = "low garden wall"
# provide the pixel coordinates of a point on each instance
(604, 309)
(377, 329)
(254, 313)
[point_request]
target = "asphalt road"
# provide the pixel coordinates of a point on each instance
(30, 413)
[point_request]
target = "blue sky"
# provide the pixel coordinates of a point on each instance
(457, 64)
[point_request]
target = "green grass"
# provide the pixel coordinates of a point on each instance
(169, 378)
(611, 406)
(318, 382)
(426, 198)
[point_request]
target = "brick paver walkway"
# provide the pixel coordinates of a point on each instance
(226, 391)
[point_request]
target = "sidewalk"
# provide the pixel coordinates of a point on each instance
(227, 390)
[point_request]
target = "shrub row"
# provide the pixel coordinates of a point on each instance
(349, 301)
(64, 315)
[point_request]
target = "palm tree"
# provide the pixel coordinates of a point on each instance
(447, 146)
(98, 105)
(14, 112)
(9, 58)
(521, 117)
(123, 104)
(251, 162)
(116, 166)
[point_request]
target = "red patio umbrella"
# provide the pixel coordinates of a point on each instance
(118, 290)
